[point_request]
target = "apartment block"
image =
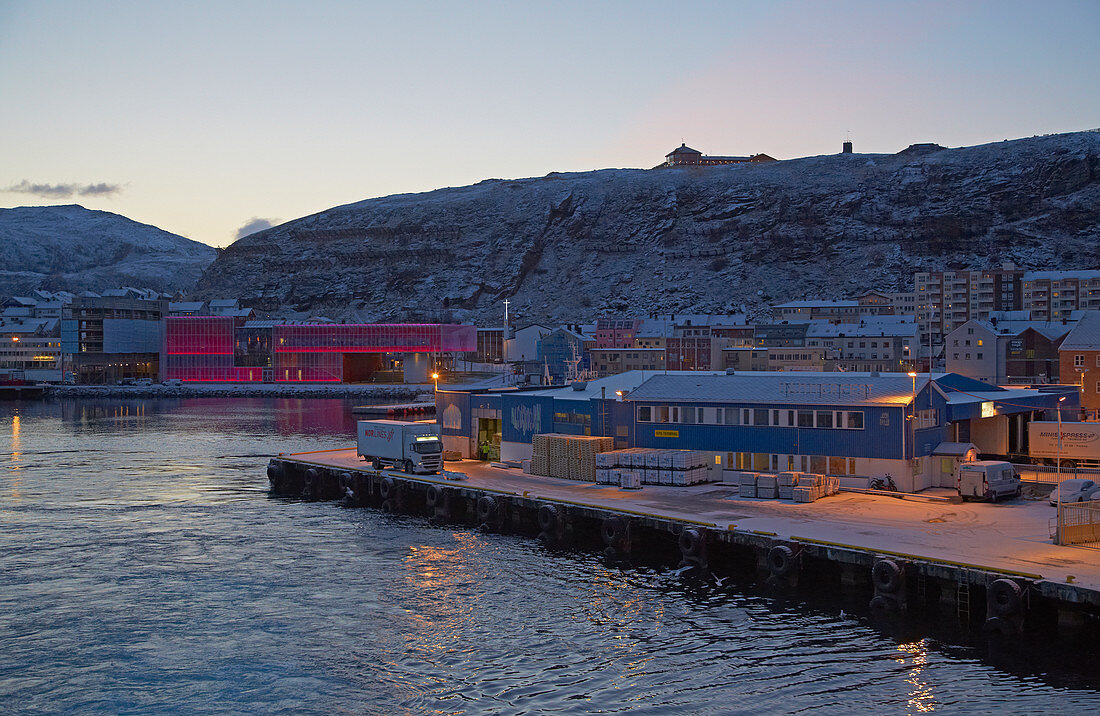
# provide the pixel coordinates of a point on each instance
(946, 300)
(1053, 295)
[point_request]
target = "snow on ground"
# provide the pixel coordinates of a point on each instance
(1012, 535)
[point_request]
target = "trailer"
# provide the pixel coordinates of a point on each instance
(412, 447)
(1073, 444)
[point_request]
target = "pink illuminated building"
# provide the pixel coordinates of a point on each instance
(216, 348)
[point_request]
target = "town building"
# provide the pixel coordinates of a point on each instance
(225, 348)
(1079, 356)
(564, 353)
(947, 299)
(879, 343)
(522, 344)
(490, 345)
(30, 349)
(1007, 348)
(853, 425)
(1053, 295)
(113, 337)
(610, 361)
(780, 335)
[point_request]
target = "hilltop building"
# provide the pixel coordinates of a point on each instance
(685, 156)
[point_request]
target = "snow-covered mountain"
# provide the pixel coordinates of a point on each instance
(700, 239)
(74, 249)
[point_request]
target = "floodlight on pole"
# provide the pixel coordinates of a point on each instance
(1058, 412)
(435, 379)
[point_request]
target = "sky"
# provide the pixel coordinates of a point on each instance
(214, 119)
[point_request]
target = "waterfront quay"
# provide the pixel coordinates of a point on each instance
(991, 566)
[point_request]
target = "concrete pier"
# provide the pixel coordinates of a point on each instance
(990, 565)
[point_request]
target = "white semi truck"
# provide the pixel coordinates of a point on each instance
(1080, 443)
(412, 447)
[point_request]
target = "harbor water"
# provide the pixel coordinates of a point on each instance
(144, 568)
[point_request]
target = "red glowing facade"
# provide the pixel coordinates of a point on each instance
(214, 348)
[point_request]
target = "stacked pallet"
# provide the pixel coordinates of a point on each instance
(797, 486)
(786, 482)
(814, 487)
(655, 466)
(767, 487)
(569, 457)
(746, 484)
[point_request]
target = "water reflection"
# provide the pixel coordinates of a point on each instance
(143, 569)
(920, 693)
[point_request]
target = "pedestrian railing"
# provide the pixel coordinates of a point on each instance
(1052, 475)
(1078, 522)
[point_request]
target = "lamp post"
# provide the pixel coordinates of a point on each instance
(912, 418)
(1058, 410)
(435, 380)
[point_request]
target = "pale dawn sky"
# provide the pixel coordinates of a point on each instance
(206, 117)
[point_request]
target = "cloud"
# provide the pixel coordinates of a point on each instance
(64, 191)
(255, 224)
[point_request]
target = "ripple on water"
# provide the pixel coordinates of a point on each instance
(143, 568)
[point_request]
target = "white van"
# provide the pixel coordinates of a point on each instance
(987, 480)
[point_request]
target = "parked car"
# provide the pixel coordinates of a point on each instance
(1076, 490)
(126, 381)
(143, 381)
(173, 382)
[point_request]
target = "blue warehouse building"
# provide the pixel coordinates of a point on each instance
(853, 425)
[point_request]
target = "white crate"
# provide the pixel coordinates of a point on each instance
(802, 494)
(768, 482)
(785, 492)
(747, 479)
(767, 493)
(747, 490)
(787, 479)
(630, 480)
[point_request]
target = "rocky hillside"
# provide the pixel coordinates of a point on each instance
(75, 249)
(571, 246)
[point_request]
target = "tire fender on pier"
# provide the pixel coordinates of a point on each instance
(614, 531)
(387, 488)
(433, 496)
(486, 509)
(1005, 598)
(781, 561)
(548, 518)
(887, 576)
(691, 543)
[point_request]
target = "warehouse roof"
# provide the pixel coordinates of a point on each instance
(781, 387)
(609, 386)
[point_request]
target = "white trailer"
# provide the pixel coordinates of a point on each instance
(1080, 442)
(412, 447)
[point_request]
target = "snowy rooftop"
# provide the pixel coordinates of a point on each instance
(824, 329)
(607, 387)
(1059, 275)
(780, 387)
(1086, 335)
(817, 304)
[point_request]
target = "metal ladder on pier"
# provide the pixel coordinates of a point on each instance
(962, 600)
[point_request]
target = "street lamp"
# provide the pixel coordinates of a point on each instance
(435, 379)
(1058, 410)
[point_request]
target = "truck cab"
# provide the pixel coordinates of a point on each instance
(409, 446)
(987, 480)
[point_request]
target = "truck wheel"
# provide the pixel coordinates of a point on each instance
(408, 465)
(376, 463)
